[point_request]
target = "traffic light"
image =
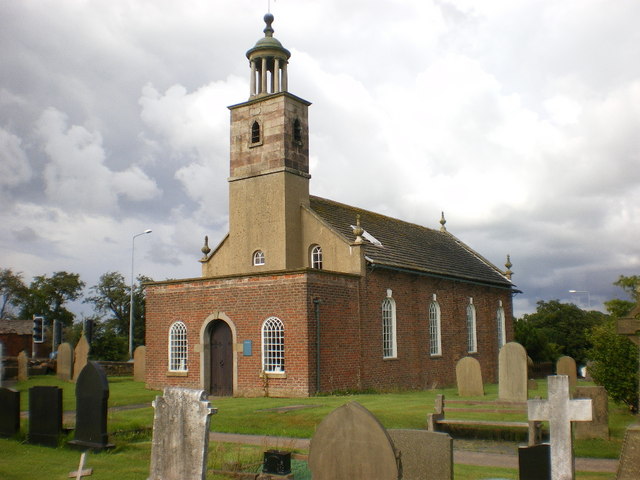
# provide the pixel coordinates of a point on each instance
(38, 330)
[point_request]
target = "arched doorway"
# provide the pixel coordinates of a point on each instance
(221, 359)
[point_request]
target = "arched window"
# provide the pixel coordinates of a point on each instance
(178, 347)
(472, 341)
(316, 257)
(435, 343)
(258, 257)
(389, 347)
(273, 345)
(255, 132)
(502, 333)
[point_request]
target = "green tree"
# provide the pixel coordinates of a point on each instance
(48, 296)
(619, 308)
(563, 326)
(12, 288)
(615, 364)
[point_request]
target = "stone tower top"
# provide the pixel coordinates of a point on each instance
(268, 59)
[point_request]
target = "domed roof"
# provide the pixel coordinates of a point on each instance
(268, 42)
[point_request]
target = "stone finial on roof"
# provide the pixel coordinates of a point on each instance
(442, 223)
(358, 231)
(205, 249)
(508, 272)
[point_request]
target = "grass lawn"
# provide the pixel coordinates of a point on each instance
(130, 430)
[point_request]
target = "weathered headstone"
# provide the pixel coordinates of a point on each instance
(534, 462)
(469, 377)
(139, 363)
(23, 366)
(92, 397)
(598, 427)
(180, 435)
(567, 366)
(512, 373)
(629, 465)
(351, 443)
(45, 415)
(424, 455)
(560, 411)
(80, 357)
(64, 366)
(532, 384)
(9, 412)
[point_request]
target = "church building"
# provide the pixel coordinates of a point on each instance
(306, 294)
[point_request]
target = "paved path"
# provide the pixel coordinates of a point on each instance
(465, 457)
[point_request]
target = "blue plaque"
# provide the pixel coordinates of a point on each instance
(247, 348)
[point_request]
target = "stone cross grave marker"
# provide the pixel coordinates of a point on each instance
(81, 472)
(9, 412)
(512, 373)
(81, 356)
(139, 363)
(469, 377)
(629, 466)
(92, 396)
(180, 435)
(23, 366)
(64, 364)
(350, 442)
(45, 415)
(559, 410)
(567, 366)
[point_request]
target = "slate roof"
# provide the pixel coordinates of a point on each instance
(18, 327)
(406, 246)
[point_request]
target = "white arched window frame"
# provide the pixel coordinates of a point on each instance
(316, 257)
(435, 328)
(472, 339)
(258, 258)
(389, 344)
(273, 345)
(178, 347)
(502, 331)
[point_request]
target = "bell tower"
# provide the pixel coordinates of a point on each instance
(269, 165)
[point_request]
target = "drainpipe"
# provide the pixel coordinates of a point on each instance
(316, 305)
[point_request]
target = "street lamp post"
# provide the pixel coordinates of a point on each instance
(588, 296)
(133, 244)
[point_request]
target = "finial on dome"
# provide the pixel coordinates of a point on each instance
(205, 249)
(508, 272)
(442, 223)
(358, 231)
(268, 30)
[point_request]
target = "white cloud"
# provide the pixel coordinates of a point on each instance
(14, 164)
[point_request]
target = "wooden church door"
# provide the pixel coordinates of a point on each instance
(221, 359)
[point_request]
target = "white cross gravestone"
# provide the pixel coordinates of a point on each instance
(560, 411)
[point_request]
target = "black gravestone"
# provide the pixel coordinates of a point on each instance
(9, 412)
(92, 395)
(276, 462)
(45, 415)
(534, 463)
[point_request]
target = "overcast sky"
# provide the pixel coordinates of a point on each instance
(520, 119)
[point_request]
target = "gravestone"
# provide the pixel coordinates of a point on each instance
(532, 384)
(512, 373)
(469, 377)
(64, 367)
(351, 443)
(9, 412)
(92, 396)
(45, 415)
(139, 363)
(598, 427)
(424, 455)
(23, 366)
(180, 435)
(560, 411)
(567, 366)
(80, 357)
(534, 462)
(629, 465)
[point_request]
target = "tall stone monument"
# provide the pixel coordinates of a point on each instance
(559, 410)
(23, 366)
(139, 363)
(512, 373)
(81, 356)
(180, 435)
(64, 364)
